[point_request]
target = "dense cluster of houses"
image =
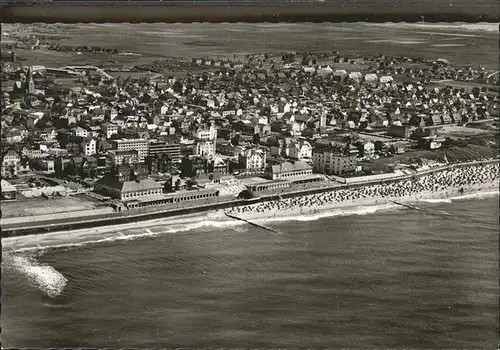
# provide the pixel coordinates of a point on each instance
(278, 117)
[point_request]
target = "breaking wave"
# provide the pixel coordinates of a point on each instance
(146, 232)
(480, 26)
(129, 232)
(45, 277)
(477, 195)
(436, 200)
(360, 210)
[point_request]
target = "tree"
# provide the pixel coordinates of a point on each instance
(379, 145)
(177, 184)
(165, 163)
(256, 138)
(63, 139)
(235, 141)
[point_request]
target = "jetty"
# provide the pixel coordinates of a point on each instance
(252, 223)
(408, 206)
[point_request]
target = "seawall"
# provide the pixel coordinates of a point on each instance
(115, 218)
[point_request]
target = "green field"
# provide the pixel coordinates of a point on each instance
(160, 40)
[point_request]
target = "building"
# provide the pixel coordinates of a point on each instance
(205, 139)
(366, 149)
(11, 161)
(431, 142)
(216, 165)
(288, 170)
(159, 163)
(79, 131)
(301, 149)
(252, 159)
(84, 167)
(115, 158)
(89, 147)
(338, 159)
(109, 129)
(30, 84)
(73, 147)
(45, 164)
(158, 148)
(8, 191)
(401, 131)
(128, 183)
(33, 119)
(32, 153)
(181, 196)
(140, 145)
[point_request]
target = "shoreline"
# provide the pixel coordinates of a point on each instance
(146, 214)
(217, 219)
(374, 203)
(258, 212)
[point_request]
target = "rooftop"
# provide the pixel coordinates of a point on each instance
(7, 187)
(254, 180)
(288, 167)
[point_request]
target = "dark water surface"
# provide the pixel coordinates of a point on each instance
(388, 280)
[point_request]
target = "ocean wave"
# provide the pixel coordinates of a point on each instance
(160, 228)
(436, 200)
(477, 195)
(322, 213)
(147, 232)
(480, 26)
(45, 277)
(215, 224)
(100, 235)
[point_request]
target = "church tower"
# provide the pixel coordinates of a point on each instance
(30, 84)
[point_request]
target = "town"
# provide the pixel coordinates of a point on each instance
(114, 137)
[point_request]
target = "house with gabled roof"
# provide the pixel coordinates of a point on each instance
(300, 149)
(434, 120)
(446, 118)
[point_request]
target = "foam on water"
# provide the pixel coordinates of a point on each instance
(447, 45)
(45, 277)
(360, 210)
(477, 195)
(217, 220)
(437, 200)
(121, 236)
(480, 26)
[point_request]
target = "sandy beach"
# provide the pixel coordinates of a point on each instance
(480, 180)
(442, 185)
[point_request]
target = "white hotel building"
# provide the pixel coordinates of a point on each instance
(139, 145)
(205, 137)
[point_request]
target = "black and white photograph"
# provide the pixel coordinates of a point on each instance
(250, 185)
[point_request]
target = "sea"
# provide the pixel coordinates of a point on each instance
(388, 278)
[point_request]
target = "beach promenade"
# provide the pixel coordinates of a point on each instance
(442, 181)
(437, 184)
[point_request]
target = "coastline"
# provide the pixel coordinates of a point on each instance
(216, 217)
(372, 204)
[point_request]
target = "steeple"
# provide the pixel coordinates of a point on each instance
(30, 84)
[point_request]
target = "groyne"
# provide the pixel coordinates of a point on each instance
(115, 218)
